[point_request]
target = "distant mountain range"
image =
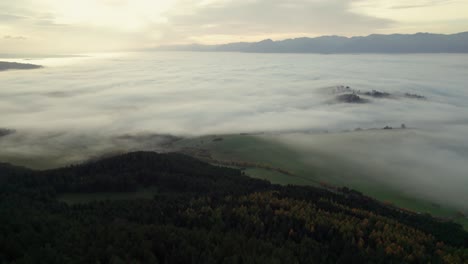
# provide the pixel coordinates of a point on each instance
(395, 43)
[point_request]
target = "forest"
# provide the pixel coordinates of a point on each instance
(201, 213)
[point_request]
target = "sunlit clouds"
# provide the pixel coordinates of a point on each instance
(68, 26)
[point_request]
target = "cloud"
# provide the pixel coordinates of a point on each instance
(9, 18)
(191, 93)
(156, 22)
(269, 17)
(14, 37)
(107, 25)
(422, 3)
(67, 26)
(402, 4)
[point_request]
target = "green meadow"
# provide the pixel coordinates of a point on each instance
(310, 169)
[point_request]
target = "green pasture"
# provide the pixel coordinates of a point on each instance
(312, 169)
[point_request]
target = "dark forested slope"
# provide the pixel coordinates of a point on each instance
(205, 214)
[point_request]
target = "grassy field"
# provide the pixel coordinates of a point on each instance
(310, 170)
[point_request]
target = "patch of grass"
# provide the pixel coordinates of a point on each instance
(277, 177)
(246, 148)
(463, 221)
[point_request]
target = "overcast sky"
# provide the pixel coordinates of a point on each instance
(56, 26)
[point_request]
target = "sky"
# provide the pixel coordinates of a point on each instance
(64, 26)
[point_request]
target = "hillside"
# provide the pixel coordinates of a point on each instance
(266, 156)
(201, 213)
(395, 43)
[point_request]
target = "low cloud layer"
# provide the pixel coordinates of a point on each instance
(83, 107)
(189, 93)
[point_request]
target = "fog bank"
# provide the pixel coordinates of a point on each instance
(425, 164)
(82, 107)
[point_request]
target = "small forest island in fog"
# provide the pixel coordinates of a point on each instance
(4, 66)
(345, 94)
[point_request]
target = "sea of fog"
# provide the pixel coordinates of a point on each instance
(80, 106)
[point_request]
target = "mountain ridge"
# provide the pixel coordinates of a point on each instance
(333, 44)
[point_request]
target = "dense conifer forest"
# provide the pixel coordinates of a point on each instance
(201, 213)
